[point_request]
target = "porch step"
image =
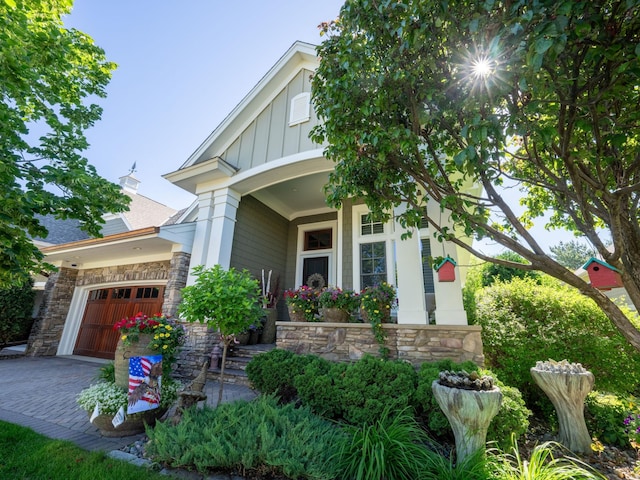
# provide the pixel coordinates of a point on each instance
(236, 363)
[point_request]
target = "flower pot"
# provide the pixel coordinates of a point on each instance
(269, 329)
(132, 425)
(386, 317)
(253, 337)
(243, 338)
(295, 314)
(335, 315)
(124, 352)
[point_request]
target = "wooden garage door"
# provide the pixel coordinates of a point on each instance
(105, 307)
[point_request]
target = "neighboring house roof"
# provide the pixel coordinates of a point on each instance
(60, 231)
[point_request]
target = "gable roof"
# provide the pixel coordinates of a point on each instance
(300, 55)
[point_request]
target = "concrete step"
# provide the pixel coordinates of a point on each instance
(236, 362)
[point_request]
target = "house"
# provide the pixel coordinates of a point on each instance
(260, 206)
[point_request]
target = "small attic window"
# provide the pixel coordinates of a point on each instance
(300, 109)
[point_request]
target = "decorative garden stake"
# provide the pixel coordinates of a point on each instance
(469, 402)
(567, 385)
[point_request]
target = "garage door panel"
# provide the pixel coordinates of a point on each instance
(104, 308)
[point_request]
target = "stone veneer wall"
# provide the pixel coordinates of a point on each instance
(414, 343)
(47, 328)
(199, 341)
(178, 273)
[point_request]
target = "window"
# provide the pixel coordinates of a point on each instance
(121, 293)
(373, 264)
(369, 227)
(148, 292)
(318, 239)
(300, 109)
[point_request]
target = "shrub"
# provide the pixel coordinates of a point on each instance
(359, 392)
(16, 304)
(512, 418)
(605, 414)
(256, 436)
(391, 447)
(524, 322)
(273, 373)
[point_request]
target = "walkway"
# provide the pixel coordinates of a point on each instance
(40, 393)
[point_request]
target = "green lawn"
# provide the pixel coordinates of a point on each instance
(25, 454)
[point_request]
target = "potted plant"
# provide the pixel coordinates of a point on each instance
(302, 303)
(146, 335)
(270, 298)
(375, 308)
(227, 300)
(110, 398)
(336, 305)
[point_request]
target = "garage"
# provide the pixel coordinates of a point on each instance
(106, 306)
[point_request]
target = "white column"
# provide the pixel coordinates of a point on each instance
(214, 229)
(223, 224)
(411, 300)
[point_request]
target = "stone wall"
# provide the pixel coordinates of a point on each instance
(414, 343)
(178, 273)
(47, 328)
(125, 273)
(199, 342)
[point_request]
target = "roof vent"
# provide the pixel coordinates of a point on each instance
(300, 109)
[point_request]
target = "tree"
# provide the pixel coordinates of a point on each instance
(429, 99)
(572, 254)
(47, 75)
(227, 300)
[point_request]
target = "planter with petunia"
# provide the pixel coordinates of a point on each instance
(337, 305)
(302, 303)
(376, 303)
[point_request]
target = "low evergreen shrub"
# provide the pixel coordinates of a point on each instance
(16, 306)
(273, 372)
(512, 418)
(249, 437)
(359, 392)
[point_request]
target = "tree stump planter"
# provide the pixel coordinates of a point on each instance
(567, 385)
(296, 314)
(469, 413)
(269, 329)
(334, 315)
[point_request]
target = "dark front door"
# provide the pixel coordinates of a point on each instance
(105, 307)
(311, 265)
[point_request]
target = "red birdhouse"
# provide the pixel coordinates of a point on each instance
(602, 275)
(446, 270)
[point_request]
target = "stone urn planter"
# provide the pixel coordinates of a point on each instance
(567, 385)
(469, 403)
(132, 425)
(295, 314)
(334, 315)
(137, 348)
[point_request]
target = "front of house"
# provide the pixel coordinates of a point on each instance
(260, 206)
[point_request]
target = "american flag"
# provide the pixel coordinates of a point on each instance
(139, 370)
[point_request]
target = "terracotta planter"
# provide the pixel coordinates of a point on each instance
(296, 315)
(335, 315)
(133, 424)
(124, 352)
(269, 329)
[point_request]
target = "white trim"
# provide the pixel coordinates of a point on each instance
(78, 306)
(386, 236)
(331, 253)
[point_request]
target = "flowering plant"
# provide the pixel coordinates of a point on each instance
(111, 397)
(335, 297)
(167, 334)
(303, 300)
(632, 429)
(375, 304)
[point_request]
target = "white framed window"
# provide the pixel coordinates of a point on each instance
(300, 110)
(316, 252)
(373, 249)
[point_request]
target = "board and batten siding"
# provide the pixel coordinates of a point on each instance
(269, 137)
(260, 240)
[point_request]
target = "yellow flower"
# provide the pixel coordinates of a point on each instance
(169, 327)
(165, 346)
(156, 337)
(123, 337)
(156, 326)
(376, 311)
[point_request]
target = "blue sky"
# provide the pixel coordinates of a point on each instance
(182, 67)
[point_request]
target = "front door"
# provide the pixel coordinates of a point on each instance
(312, 265)
(105, 307)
